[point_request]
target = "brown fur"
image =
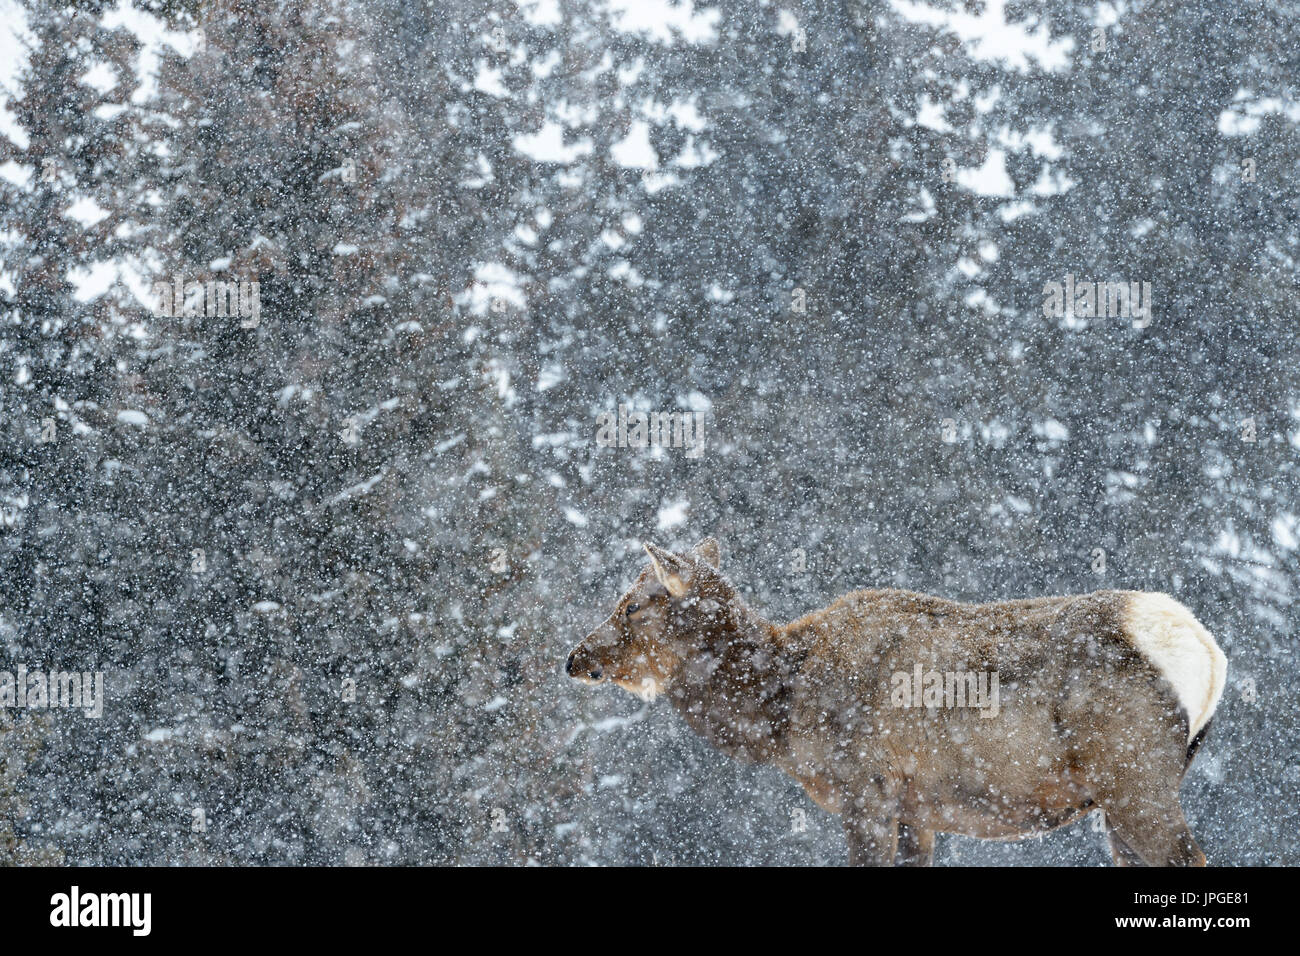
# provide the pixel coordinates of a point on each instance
(1084, 722)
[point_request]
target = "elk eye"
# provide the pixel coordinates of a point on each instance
(632, 609)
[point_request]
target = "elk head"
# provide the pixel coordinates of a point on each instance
(643, 642)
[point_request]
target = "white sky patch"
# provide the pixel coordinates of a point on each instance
(631, 72)
(1108, 13)
(1039, 139)
(152, 34)
(148, 29)
(1230, 543)
(14, 174)
(786, 23)
(695, 401)
(683, 112)
(1247, 111)
(672, 514)
(664, 22)
(1284, 531)
(980, 299)
(576, 114)
(1051, 182)
(493, 280)
(623, 271)
(1141, 228)
(485, 174)
(634, 150)
(1008, 212)
(1043, 144)
(498, 374)
(138, 282)
(547, 145)
(92, 282)
(983, 101)
(694, 154)
(546, 65)
(554, 439)
(994, 433)
(991, 179)
(13, 57)
(687, 115)
(926, 211)
(86, 211)
(550, 376)
(488, 80)
(540, 13)
(100, 77)
(988, 36)
(1052, 430)
(930, 115)
(575, 517)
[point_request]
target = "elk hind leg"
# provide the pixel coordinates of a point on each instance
(1120, 851)
(1152, 835)
(915, 846)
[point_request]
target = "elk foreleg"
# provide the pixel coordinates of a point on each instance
(872, 841)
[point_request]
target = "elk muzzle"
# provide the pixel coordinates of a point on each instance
(582, 666)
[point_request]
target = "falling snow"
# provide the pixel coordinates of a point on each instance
(330, 522)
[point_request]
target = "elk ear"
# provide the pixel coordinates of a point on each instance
(669, 569)
(708, 552)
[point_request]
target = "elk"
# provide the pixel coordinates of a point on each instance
(1098, 701)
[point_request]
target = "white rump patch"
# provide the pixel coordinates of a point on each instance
(1181, 649)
